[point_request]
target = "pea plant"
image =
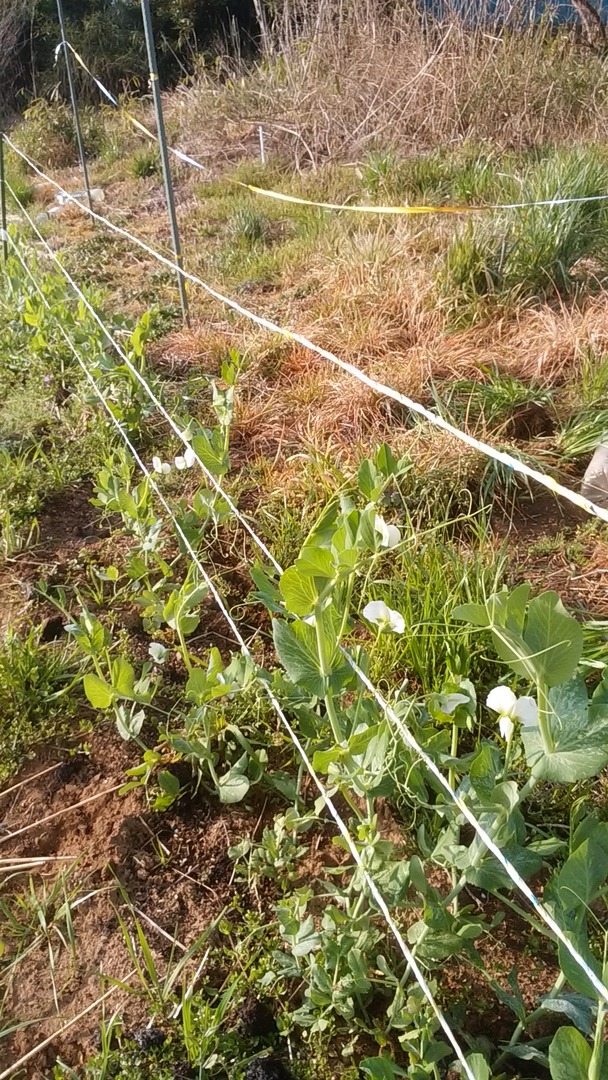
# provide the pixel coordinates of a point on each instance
(556, 733)
(542, 727)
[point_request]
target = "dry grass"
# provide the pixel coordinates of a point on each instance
(346, 83)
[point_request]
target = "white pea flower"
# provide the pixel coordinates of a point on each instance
(506, 728)
(159, 466)
(187, 461)
(509, 707)
(389, 534)
(384, 617)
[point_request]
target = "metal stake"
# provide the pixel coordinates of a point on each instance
(68, 67)
(164, 153)
(3, 199)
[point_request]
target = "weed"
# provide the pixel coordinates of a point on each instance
(380, 173)
(37, 695)
(535, 252)
(491, 402)
(583, 433)
(248, 226)
(47, 133)
(21, 186)
(428, 578)
(145, 162)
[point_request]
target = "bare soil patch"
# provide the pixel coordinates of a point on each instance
(174, 867)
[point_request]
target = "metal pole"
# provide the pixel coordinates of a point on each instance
(68, 67)
(164, 153)
(3, 199)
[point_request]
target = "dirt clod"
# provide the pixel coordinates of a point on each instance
(255, 1018)
(148, 1038)
(267, 1069)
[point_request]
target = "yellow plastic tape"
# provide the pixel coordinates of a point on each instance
(363, 209)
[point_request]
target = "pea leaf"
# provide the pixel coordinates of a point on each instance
(233, 786)
(578, 1008)
(479, 1067)
(212, 452)
(381, 1068)
(298, 656)
(298, 591)
(554, 637)
(315, 561)
(580, 737)
(569, 1055)
(123, 677)
(475, 614)
(573, 970)
(581, 876)
(98, 692)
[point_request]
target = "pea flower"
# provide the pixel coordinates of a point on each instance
(510, 708)
(187, 461)
(382, 616)
(389, 534)
(159, 466)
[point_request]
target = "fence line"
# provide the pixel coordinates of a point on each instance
(342, 827)
(281, 196)
(378, 387)
(389, 713)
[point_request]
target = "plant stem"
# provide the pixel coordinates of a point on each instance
(184, 648)
(325, 666)
(597, 1058)
(452, 783)
(544, 712)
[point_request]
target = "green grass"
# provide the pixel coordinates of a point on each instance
(492, 402)
(424, 582)
(145, 162)
(534, 253)
(38, 699)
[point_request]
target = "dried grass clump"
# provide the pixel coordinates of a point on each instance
(305, 402)
(337, 82)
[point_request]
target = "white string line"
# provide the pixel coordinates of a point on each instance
(378, 387)
(146, 386)
(511, 871)
(371, 884)
(114, 101)
(283, 197)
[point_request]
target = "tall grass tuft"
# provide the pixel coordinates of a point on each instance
(337, 81)
(536, 252)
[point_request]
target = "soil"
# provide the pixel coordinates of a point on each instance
(174, 867)
(576, 567)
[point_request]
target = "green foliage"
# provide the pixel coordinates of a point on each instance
(379, 172)
(37, 693)
(248, 226)
(583, 432)
(145, 162)
(491, 402)
(530, 253)
(47, 133)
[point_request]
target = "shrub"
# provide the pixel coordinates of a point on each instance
(47, 133)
